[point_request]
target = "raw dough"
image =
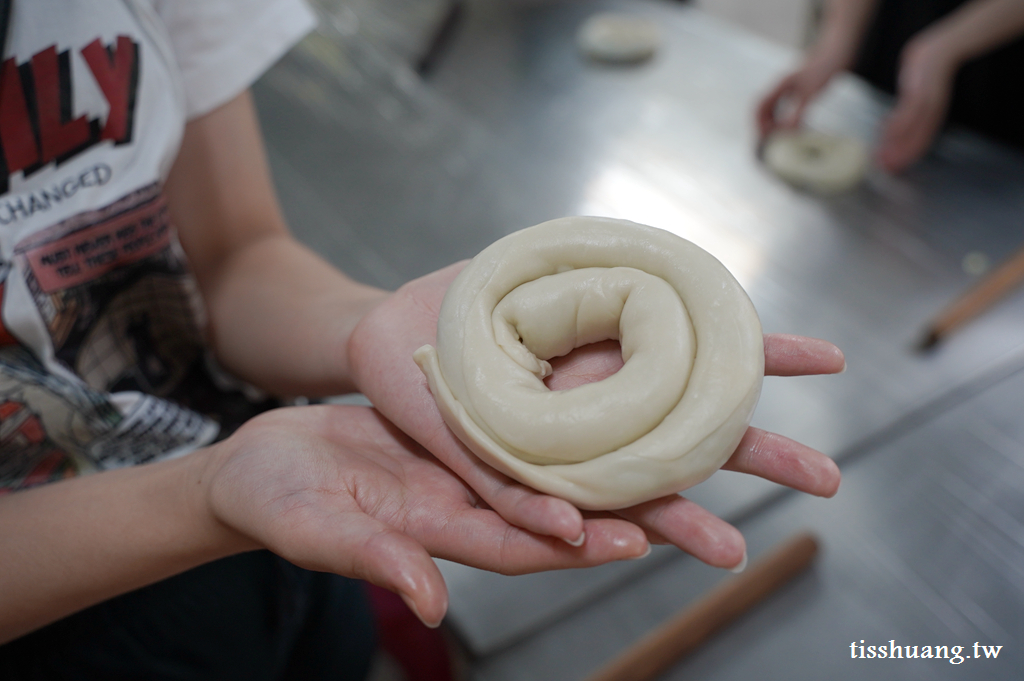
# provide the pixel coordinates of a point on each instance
(816, 161)
(618, 37)
(671, 416)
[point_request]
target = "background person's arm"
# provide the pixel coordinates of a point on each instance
(977, 28)
(842, 31)
(928, 68)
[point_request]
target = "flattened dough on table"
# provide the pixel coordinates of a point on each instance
(816, 161)
(672, 415)
(620, 38)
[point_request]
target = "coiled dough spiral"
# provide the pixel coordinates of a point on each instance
(672, 415)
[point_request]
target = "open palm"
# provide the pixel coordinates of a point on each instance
(340, 489)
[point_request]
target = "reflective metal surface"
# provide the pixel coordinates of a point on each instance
(923, 546)
(391, 177)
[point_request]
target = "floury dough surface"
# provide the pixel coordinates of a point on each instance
(817, 161)
(672, 415)
(621, 38)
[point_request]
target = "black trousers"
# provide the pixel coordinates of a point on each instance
(249, 617)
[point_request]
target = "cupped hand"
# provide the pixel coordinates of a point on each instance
(783, 107)
(381, 349)
(924, 89)
(340, 489)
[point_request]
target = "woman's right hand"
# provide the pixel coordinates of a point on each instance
(783, 108)
(839, 39)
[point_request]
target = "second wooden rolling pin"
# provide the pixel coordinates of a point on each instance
(679, 636)
(987, 292)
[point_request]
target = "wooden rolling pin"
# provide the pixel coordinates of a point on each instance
(998, 283)
(686, 631)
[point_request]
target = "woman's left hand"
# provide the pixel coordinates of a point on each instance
(924, 90)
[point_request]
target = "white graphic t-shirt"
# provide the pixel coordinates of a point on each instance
(102, 362)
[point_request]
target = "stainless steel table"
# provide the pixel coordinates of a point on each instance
(391, 177)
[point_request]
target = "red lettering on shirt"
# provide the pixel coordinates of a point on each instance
(16, 136)
(36, 107)
(116, 71)
(58, 136)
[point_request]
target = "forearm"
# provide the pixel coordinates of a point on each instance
(72, 544)
(842, 30)
(975, 28)
(281, 317)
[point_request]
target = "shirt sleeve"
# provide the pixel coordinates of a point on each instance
(223, 46)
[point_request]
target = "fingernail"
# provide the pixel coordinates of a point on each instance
(741, 566)
(644, 554)
(578, 541)
(843, 370)
(412, 606)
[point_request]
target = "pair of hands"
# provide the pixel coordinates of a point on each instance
(374, 494)
(924, 88)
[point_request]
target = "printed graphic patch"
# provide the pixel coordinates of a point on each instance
(116, 296)
(53, 427)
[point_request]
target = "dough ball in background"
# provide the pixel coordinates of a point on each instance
(618, 38)
(816, 161)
